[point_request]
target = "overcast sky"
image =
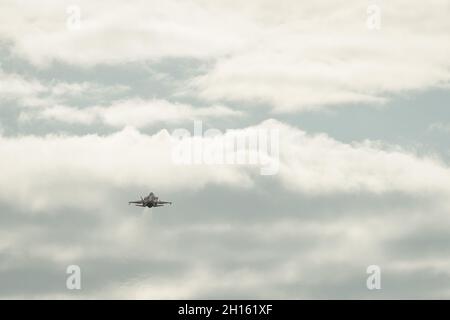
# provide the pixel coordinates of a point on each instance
(87, 109)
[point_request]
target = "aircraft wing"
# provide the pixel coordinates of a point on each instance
(134, 202)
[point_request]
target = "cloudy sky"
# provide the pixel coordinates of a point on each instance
(87, 111)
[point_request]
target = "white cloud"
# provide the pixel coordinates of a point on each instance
(140, 112)
(30, 92)
(143, 30)
(294, 56)
(331, 58)
(65, 169)
(14, 86)
(440, 127)
(134, 112)
(66, 90)
(320, 164)
(60, 113)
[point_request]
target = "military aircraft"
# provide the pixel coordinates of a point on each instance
(149, 201)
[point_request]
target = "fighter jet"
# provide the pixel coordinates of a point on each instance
(149, 201)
